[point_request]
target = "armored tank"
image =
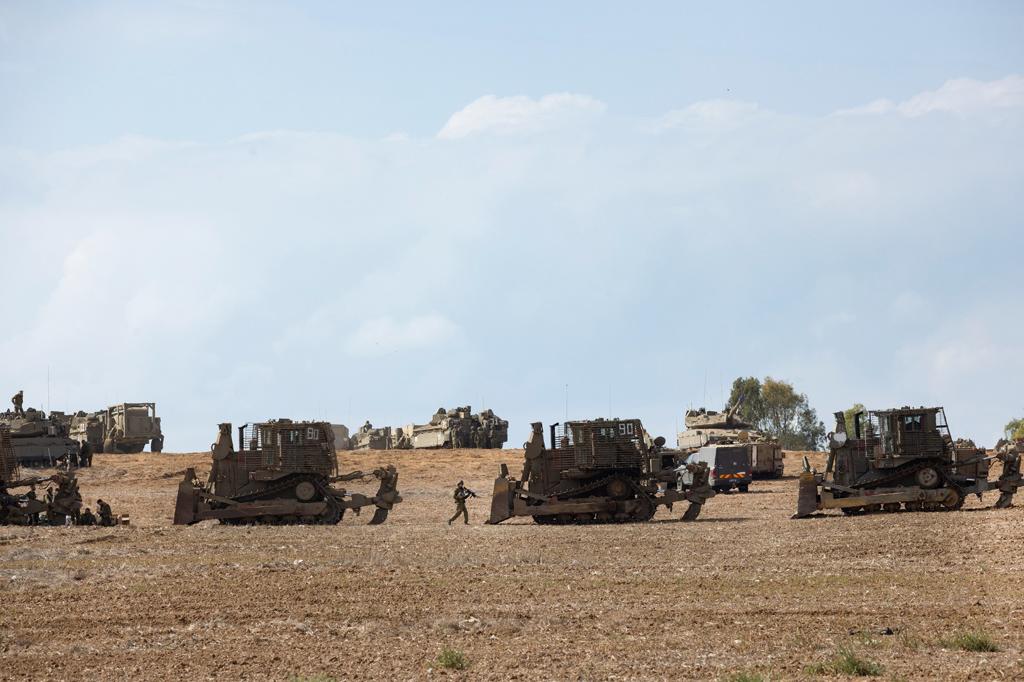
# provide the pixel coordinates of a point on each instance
(895, 459)
(37, 439)
(370, 438)
(598, 471)
(283, 472)
(708, 428)
(125, 428)
(9, 470)
(456, 428)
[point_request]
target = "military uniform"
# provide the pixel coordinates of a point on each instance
(106, 514)
(1010, 479)
(18, 400)
(87, 518)
(462, 493)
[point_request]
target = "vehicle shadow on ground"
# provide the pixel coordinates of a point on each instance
(717, 519)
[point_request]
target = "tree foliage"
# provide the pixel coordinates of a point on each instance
(775, 408)
(1015, 428)
(848, 417)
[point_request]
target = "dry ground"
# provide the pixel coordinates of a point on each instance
(744, 589)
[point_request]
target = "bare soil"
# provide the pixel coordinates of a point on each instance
(742, 590)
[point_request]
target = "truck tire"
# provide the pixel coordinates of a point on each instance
(744, 487)
(156, 445)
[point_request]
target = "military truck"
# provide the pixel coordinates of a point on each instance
(121, 428)
(283, 472)
(456, 428)
(598, 471)
(705, 427)
(39, 440)
(895, 459)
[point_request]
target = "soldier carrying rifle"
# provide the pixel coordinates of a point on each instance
(462, 493)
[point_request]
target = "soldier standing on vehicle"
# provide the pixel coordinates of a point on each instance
(18, 400)
(462, 493)
(106, 514)
(456, 440)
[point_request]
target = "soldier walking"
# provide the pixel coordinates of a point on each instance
(462, 493)
(18, 400)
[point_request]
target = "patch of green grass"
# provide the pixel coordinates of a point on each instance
(845, 662)
(746, 677)
(970, 641)
(452, 659)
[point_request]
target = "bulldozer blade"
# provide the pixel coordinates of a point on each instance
(187, 503)
(501, 500)
(380, 515)
(807, 498)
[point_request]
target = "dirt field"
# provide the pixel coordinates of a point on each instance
(743, 590)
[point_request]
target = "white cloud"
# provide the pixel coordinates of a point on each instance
(384, 335)
(520, 115)
(960, 96)
(713, 115)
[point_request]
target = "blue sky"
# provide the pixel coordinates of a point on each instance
(246, 210)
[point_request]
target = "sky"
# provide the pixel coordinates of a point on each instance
(351, 211)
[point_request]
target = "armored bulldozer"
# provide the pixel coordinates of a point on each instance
(599, 471)
(37, 439)
(283, 472)
(61, 501)
(707, 427)
(456, 428)
(123, 428)
(898, 459)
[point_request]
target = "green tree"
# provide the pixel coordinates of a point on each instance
(749, 390)
(1015, 428)
(849, 414)
(774, 407)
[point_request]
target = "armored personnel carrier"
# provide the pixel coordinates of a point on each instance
(283, 472)
(895, 459)
(599, 471)
(121, 428)
(37, 439)
(707, 428)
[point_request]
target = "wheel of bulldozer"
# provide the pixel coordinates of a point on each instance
(852, 511)
(891, 507)
(913, 506)
(928, 478)
(645, 511)
(543, 519)
(305, 491)
(872, 508)
(618, 488)
(954, 500)
(603, 517)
